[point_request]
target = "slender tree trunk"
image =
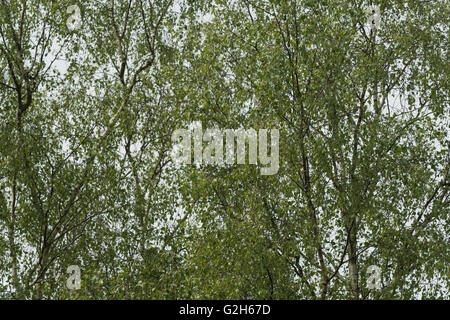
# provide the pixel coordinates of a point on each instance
(11, 238)
(353, 262)
(37, 290)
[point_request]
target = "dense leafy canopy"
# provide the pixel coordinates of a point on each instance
(86, 176)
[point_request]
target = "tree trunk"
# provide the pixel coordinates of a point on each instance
(11, 239)
(37, 290)
(353, 262)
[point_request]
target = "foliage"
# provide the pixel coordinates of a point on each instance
(86, 177)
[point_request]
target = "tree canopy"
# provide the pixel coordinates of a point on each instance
(91, 93)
